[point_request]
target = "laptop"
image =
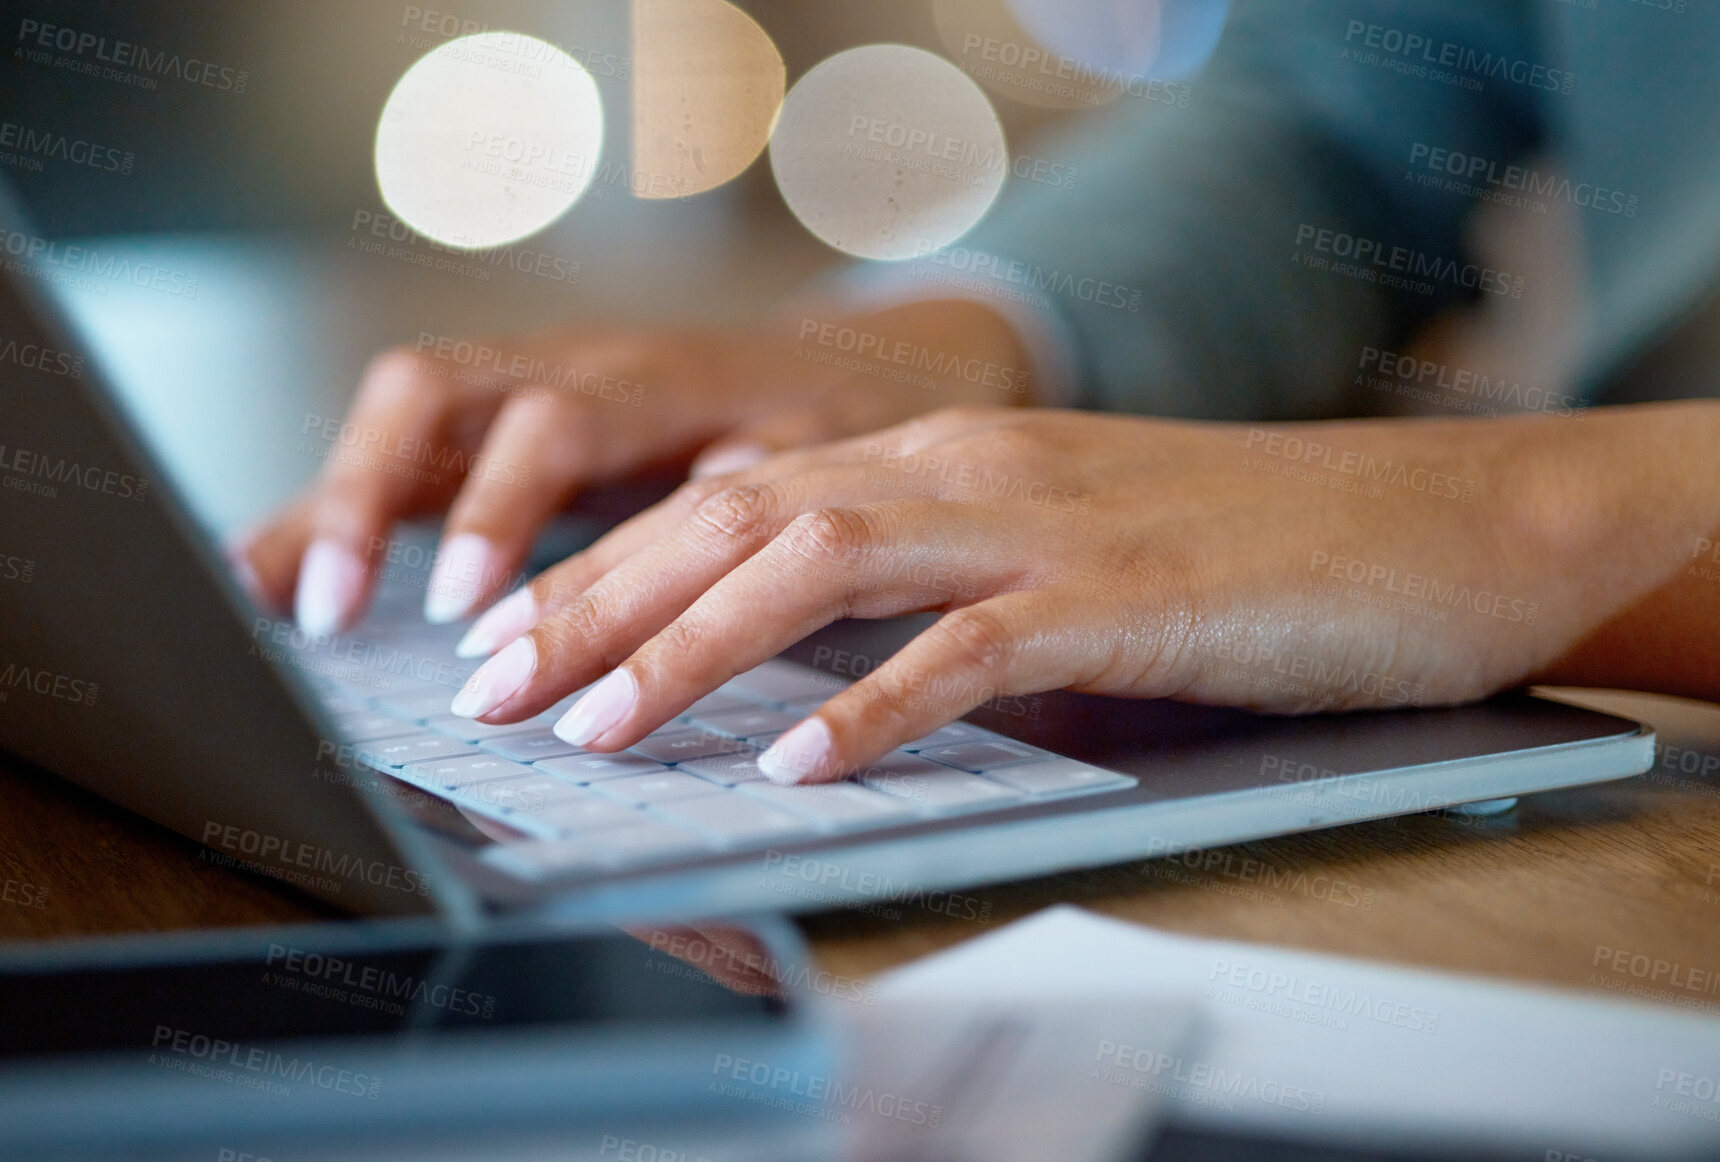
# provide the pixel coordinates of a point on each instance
(131, 664)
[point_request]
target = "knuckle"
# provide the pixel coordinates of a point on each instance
(574, 630)
(974, 638)
(676, 641)
(872, 705)
(828, 536)
(552, 590)
(738, 510)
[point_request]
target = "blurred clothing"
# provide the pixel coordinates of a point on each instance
(1237, 257)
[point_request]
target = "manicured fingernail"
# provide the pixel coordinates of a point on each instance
(726, 460)
(604, 705)
(463, 567)
(504, 621)
(802, 752)
(496, 680)
(331, 580)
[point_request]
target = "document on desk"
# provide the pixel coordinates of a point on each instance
(1306, 1046)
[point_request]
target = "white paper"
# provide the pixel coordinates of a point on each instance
(1325, 1048)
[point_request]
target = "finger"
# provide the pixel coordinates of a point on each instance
(603, 625)
(383, 467)
(558, 586)
(870, 561)
(729, 956)
(561, 585)
(266, 559)
(570, 578)
(537, 451)
(1017, 643)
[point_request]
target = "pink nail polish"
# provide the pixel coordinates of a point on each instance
(504, 621)
(466, 564)
(331, 581)
(603, 706)
(496, 680)
(804, 751)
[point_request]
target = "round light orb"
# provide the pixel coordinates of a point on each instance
(488, 139)
(990, 44)
(707, 86)
(888, 152)
(1164, 40)
(1079, 54)
(1117, 35)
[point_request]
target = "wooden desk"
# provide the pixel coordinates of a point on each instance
(1534, 895)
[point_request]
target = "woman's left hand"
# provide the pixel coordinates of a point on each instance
(1288, 568)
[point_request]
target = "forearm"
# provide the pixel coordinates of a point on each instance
(1658, 471)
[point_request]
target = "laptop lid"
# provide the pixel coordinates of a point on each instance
(130, 663)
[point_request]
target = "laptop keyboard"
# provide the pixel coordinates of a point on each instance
(692, 788)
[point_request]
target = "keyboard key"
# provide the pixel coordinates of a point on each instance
(833, 806)
(717, 703)
(463, 772)
(945, 791)
(900, 775)
(475, 801)
(946, 735)
(341, 703)
(587, 813)
(747, 723)
(1060, 776)
(592, 768)
(681, 745)
(984, 754)
(361, 683)
(735, 820)
(653, 841)
(533, 861)
(529, 748)
(417, 704)
(468, 730)
(397, 752)
(726, 770)
(368, 726)
(654, 788)
(777, 682)
(528, 794)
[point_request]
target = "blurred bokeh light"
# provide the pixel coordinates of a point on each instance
(488, 139)
(708, 84)
(1078, 54)
(888, 152)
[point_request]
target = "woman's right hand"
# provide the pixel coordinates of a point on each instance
(502, 435)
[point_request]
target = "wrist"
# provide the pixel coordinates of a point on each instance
(1652, 480)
